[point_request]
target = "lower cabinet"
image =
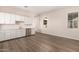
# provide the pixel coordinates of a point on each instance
(10, 34)
(20, 33)
(23, 32)
(2, 35)
(7, 34)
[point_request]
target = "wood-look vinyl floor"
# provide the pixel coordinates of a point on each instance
(40, 43)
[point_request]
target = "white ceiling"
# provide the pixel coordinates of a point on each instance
(39, 9)
(30, 10)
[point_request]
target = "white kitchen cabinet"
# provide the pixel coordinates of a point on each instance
(2, 35)
(2, 18)
(8, 34)
(22, 32)
(28, 21)
(19, 33)
(12, 19)
(11, 34)
(19, 18)
(7, 18)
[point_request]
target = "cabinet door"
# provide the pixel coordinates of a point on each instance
(2, 18)
(22, 18)
(17, 33)
(20, 33)
(7, 18)
(28, 20)
(7, 34)
(12, 19)
(19, 18)
(12, 34)
(23, 32)
(2, 36)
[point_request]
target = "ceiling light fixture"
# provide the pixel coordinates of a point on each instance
(25, 6)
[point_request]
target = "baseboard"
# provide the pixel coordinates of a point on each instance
(59, 36)
(12, 39)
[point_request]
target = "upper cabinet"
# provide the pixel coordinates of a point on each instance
(22, 18)
(12, 19)
(6, 18)
(9, 19)
(1, 18)
(19, 18)
(28, 20)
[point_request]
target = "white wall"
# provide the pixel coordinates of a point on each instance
(37, 23)
(57, 23)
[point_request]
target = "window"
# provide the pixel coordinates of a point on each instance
(73, 20)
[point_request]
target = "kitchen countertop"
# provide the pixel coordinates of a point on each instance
(14, 29)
